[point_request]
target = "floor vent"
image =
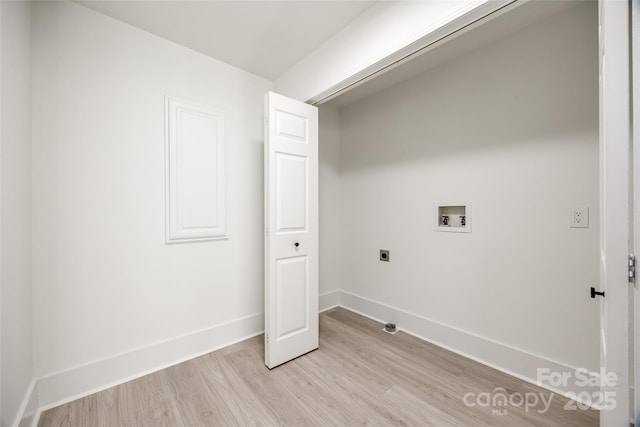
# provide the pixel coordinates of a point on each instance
(390, 328)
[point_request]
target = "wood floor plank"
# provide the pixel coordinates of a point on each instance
(196, 404)
(350, 396)
(360, 375)
(268, 387)
(228, 388)
(418, 411)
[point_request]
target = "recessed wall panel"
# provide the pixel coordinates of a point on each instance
(195, 172)
(292, 284)
(197, 183)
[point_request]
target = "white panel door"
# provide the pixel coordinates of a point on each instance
(615, 140)
(291, 229)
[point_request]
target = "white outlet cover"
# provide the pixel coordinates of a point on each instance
(579, 217)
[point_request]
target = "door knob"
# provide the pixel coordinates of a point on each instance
(594, 293)
(296, 244)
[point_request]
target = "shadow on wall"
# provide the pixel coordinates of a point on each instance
(532, 86)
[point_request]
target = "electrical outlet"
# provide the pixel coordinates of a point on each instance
(384, 255)
(579, 217)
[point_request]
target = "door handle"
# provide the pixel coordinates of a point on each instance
(296, 244)
(594, 293)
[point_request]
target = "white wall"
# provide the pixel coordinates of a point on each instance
(15, 263)
(513, 129)
(106, 286)
(329, 203)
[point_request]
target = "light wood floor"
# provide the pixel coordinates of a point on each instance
(360, 375)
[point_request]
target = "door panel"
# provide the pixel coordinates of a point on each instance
(291, 229)
(292, 283)
(291, 192)
(291, 126)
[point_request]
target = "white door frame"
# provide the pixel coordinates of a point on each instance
(635, 66)
(615, 144)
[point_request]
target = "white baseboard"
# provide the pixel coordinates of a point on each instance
(71, 384)
(516, 362)
(328, 301)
